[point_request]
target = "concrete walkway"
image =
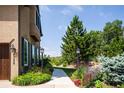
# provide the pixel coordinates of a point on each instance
(59, 80)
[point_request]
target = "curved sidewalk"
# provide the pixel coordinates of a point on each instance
(59, 80)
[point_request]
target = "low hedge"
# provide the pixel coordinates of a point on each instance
(31, 79)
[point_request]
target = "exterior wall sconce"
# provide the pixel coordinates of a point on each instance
(13, 50)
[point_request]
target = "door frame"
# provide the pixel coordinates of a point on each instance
(8, 59)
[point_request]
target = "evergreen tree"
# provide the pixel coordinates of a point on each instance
(72, 40)
(113, 38)
(92, 42)
(113, 69)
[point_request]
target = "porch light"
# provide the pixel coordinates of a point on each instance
(78, 57)
(78, 51)
(13, 50)
(42, 50)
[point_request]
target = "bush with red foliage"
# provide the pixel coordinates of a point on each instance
(77, 82)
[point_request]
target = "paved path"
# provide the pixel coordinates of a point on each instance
(59, 80)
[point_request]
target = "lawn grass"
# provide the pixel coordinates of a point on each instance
(68, 71)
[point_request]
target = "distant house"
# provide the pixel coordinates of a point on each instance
(20, 32)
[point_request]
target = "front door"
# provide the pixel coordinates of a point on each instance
(4, 61)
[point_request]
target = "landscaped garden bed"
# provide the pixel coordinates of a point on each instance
(31, 78)
(35, 75)
(109, 74)
(74, 74)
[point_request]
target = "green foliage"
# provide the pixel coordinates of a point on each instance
(100, 76)
(79, 73)
(47, 67)
(35, 69)
(120, 86)
(109, 42)
(46, 59)
(113, 69)
(72, 40)
(40, 78)
(55, 61)
(31, 79)
(98, 84)
(22, 80)
(91, 84)
(34, 76)
(91, 45)
(64, 64)
(113, 38)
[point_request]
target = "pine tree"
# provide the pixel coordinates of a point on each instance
(113, 38)
(113, 69)
(72, 40)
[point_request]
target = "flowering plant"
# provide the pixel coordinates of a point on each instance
(77, 82)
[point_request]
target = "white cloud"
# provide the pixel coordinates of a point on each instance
(101, 14)
(105, 15)
(62, 27)
(71, 8)
(76, 7)
(45, 8)
(66, 11)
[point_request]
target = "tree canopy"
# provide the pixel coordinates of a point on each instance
(109, 42)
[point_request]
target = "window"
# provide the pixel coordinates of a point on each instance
(33, 55)
(38, 22)
(38, 55)
(25, 52)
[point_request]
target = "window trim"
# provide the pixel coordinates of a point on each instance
(26, 42)
(38, 56)
(39, 20)
(33, 55)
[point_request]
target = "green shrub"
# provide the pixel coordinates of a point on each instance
(23, 79)
(56, 61)
(113, 69)
(91, 84)
(98, 84)
(35, 69)
(100, 76)
(40, 78)
(64, 64)
(31, 79)
(79, 73)
(120, 86)
(48, 68)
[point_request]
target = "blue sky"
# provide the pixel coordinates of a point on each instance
(56, 18)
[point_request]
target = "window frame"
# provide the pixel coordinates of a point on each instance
(33, 55)
(26, 42)
(38, 59)
(38, 21)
